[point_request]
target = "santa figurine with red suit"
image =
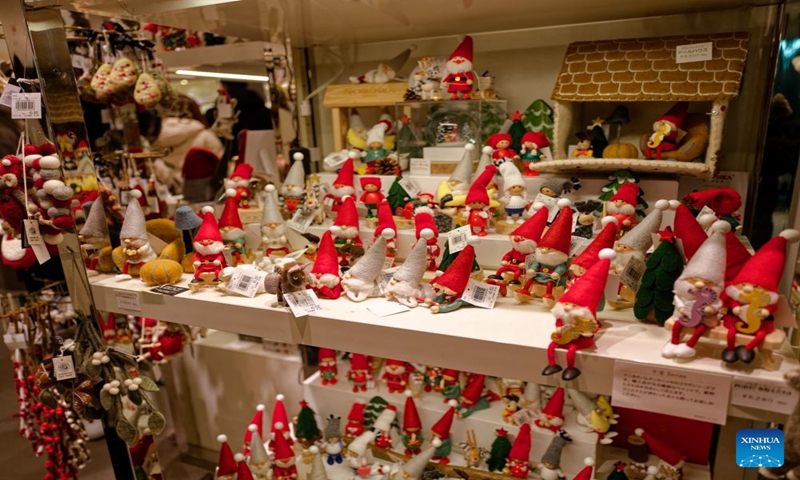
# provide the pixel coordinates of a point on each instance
(576, 316)
(665, 131)
(345, 230)
(372, 195)
(324, 277)
(240, 182)
(477, 203)
(423, 218)
(518, 463)
(328, 369)
(359, 373)
(552, 415)
(523, 243)
(752, 297)
(670, 459)
(450, 285)
(284, 467)
(395, 375)
(133, 236)
(230, 225)
(622, 206)
(342, 187)
(459, 78)
(208, 246)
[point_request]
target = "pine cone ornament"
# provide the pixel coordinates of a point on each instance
(411, 96)
(387, 166)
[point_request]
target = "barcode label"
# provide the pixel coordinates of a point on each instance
(8, 91)
(633, 273)
(382, 282)
(303, 302)
(300, 222)
(577, 245)
(480, 294)
(26, 105)
(550, 202)
(245, 281)
(457, 239)
(411, 188)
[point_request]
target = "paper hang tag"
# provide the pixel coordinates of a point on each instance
(105, 116)
(388, 262)
(577, 245)
(246, 281)
(632, 274)
(224, 110)
(457, 239)
(382, 282)
(77, 62)
(420, 166)
(295, 255)
(300, 222)
(32, 234)
(16, 339)
(124, 196)
(480, 294)
(522, 417)
(64, 368)
(550, 202)
(387, 308)
(530, 259)
(8, 91)
(302, 302)
(26, 105)
(706, 211)
(411, 188)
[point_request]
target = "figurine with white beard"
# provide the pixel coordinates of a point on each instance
(459, 78)
(345, 230)
(324, 276)
(342, 187)
(240, 182)
(639, 239)
(208, 259)
(273, 231)
(136, 247)
(230, 225)
(94, 237)
(405, 286)
(622, 206)
(523, 242)
(293, 191)
(359, 281)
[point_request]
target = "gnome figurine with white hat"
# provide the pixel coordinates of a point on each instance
(359, 281)
(576, 316)
(383, 427)
(94, 238)
(698, 293)
(208, 259)
(450, 285)
(293, 191)
(356, 450)
(452, 193)
(638, 240)
(259, 458)
(515, 199)
(590, 417)
(375, 151)
(412, 469)
(317, 466)
(405, 286)
(273, 230)
(550, 466)
(136, 249)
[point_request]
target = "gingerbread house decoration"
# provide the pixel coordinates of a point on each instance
(646, 70)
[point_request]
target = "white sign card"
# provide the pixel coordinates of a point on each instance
(8, 90)
(695, 52)
(420, 166)
(754, 393)
(128, 300)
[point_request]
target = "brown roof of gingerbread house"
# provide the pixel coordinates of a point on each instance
(644, 69)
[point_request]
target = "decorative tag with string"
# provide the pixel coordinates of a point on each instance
(26, 105)
(31, 235)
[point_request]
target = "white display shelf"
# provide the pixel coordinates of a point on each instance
(469, 339)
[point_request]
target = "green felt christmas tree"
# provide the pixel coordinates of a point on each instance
(397, 197)
(617, 475)
(500, 448)
(599, 141)
(663, 267)
(306, 430)
(447, 258)
(617, 179)
(538, 117)
(374, 408)
(516, 131)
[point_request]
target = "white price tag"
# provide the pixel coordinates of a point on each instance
(245, 281)
(8, 91)
(550, 202)
(695, 52)
(578, 245)
(300, 222)
(14, 339)
(683, 393)
(303, 302)
(457, 239)
(420, 166)
(388, 262)
(522, 417)
(295, 255)
(385, 309)
(772, 396)
(382, 282)
(128, 300)
(530, 259)
(64, 368)
(480, 294)
(32, 233)
(224, 110)
(633, 273)
(410, 187)
(26, 105)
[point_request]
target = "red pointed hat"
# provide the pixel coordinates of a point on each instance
(281, 446)
(555, 406)
(410, 415)
(477, 191)
(456, 276)
(243, 171)
(464, 49)
(559, 235)
(243, 472)
(345, 176)
(385, 218)
(208, 229)
(676, 114)
(370, 181)
(604, 239)
(358, 362)
(226, 464)
(533, 227)
(357, 411)
(442, 427)
(327, 260)
(472, 392)
(765, 268)
(423, 218)
(724, 201)
(326, 353)
(348, 215)
(628, 193)
(230, 214)
(736, 255)
(258, 421)
(586, 473)
(661, 449)
(539, 138)
(588, 290)
(499, 137)
(689, 231)
(280, 421)
(521, 449)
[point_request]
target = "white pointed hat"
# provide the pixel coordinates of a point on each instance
(640, 237)
(710, 259)
(258, 454)
(384, 421)
(416, 465)
(134, 224)
(360, 443)
(582, 403)
(412, 270)
(511, 175)
(95, 225)
(296, 175)
(271, 212)
(317, 467)
(376, 133)
(368, 267)
(486, 159)
(463, 171)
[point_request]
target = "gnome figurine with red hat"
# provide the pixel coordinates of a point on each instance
(345, 229)
(459, 78)
(273, 229)
(208, 259)
(342, 187)
(531, 152)
(549, 268)
(477, 203)
(412, 426)
(752, 297)
(284, 466)
(360, 373)
(372, 195)
(328, 369)
(423, 218)
(232, 230)
(552, 415)
(590, 255)
(622, 206)
(669, 458)
(501, 148)
(586, 473)
(386, 222)
(698, 293)
(226, 466)
(523, 243)
(395, 375)
(665, 131)
(324, 276)
(450, 285)
(576, 316)
(518, 463)
(240, 182)
(441, 432)
(355, 419)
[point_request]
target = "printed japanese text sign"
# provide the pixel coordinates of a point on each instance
(676, 391)
(772, 396)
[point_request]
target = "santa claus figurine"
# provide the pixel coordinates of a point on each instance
(359, 373)
(459, 78)
(576, 316)
(518, 463)
(477, 211)
(395, 375)
(342, 187)
(328, 369)
(698, 293)
(450, 285)
(284, 467)
(423, 218)
(550, 259)
(552, 415)
(324, 277)
(665, 131)
(412, 426)
(345, 230)
(523, 243)
(208, 259)
(372, 195)
(752, 297)
(240, 182)
(273, 230)
(622, 206)
(531, 153)
(501, 148)
(230, 225)
(136, 247)
(355, 419)
(293, 189)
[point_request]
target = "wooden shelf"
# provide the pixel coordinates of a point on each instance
(589, 165)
